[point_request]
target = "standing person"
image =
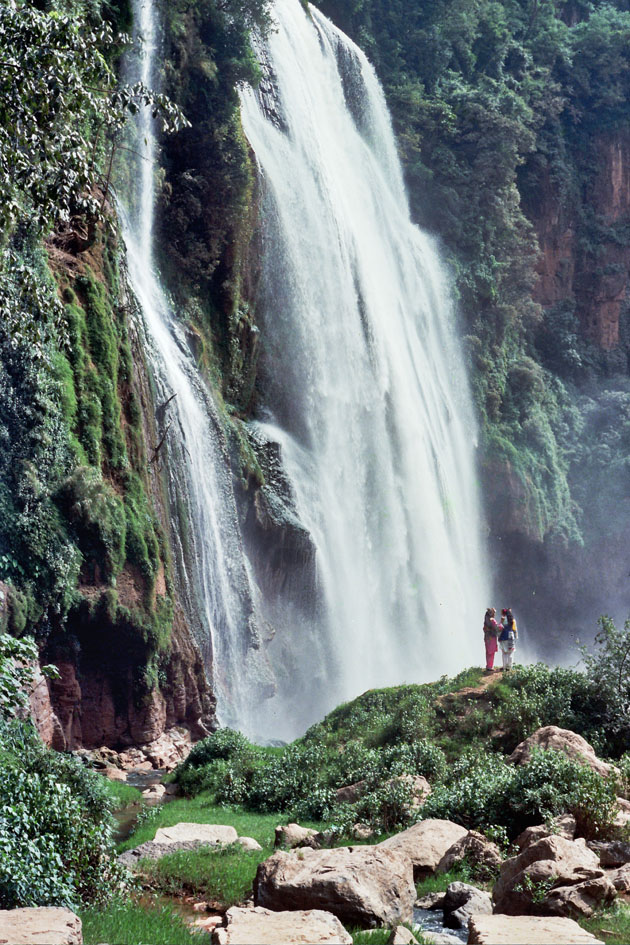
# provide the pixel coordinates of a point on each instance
(491, 630)
(508, 637)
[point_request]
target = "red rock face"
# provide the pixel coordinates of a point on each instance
(89, 707)
(598, 281)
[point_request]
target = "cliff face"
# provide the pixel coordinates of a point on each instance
(583, 283)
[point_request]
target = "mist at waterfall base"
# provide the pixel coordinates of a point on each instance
(363, 388)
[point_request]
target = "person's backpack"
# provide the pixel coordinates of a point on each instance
(507, 634)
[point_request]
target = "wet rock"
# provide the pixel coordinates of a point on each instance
(292, 835)
(461, 901)
(365, 886)
(425, 843)
(477, 850)
(43, 925)
(154, 794)
(560, 739)
(261, 926)
(534, 930)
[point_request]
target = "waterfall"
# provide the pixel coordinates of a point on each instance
(363, 384)
(213, 576)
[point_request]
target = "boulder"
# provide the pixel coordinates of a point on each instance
(362, 832)
(620, 878)
(561, 739)
(42, 925)
(425, 843)
(402, 936)
(418, 787)
(615, 853)
(264, 927)
(441, 938)
(563, 826)
(154, 794)
(432, 901)
(249, 844)
(461, 901)
(526, 880)
(515, 930)
(582, 900)
(483, 855)
(209, 834)
(114, 774)
(350, 793)
(155, 851)
(364, 886)
(292, 835)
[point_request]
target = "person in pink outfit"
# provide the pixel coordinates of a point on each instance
(491, 630)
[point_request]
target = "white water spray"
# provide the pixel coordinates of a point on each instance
(364, 382)
(212, 567)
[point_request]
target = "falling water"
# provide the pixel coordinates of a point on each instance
(212, 569)
(364, 382)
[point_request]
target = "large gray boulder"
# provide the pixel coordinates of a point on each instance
(516, 930)
(41, 925)
(365, 886)
(561, 739)
(527, 881)
(462, 901)
(482, 854)
(425, 843)
(264, 927)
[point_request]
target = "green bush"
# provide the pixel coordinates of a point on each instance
(56, 844)
(485, 791)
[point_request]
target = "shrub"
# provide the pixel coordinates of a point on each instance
(485, 791)
(55, 828)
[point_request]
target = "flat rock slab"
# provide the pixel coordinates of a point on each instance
(43, 925)
(533, 930)
(263, 927)
(155, 851)
(215, 834)
(365, 886)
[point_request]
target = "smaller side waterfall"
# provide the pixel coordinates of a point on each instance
(213, 573)
(364, 381)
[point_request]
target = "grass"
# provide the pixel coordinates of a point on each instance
(122, 794)
(201, 810)
(127, 922)
(382, 936)
(611, 926)
(222, 877)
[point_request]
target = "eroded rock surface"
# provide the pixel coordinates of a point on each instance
(533, 930)
(563, 826)
(43, 925)
(211, 834)
(530, 883)
(476, 850)
(560, 739)
(461, 901)
(265, 927)
(293, 835)
(425, 843)
(365, 886)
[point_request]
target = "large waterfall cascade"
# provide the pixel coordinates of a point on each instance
(212, 566)
(364, 381)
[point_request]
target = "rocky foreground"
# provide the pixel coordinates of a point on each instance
(308, 892)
